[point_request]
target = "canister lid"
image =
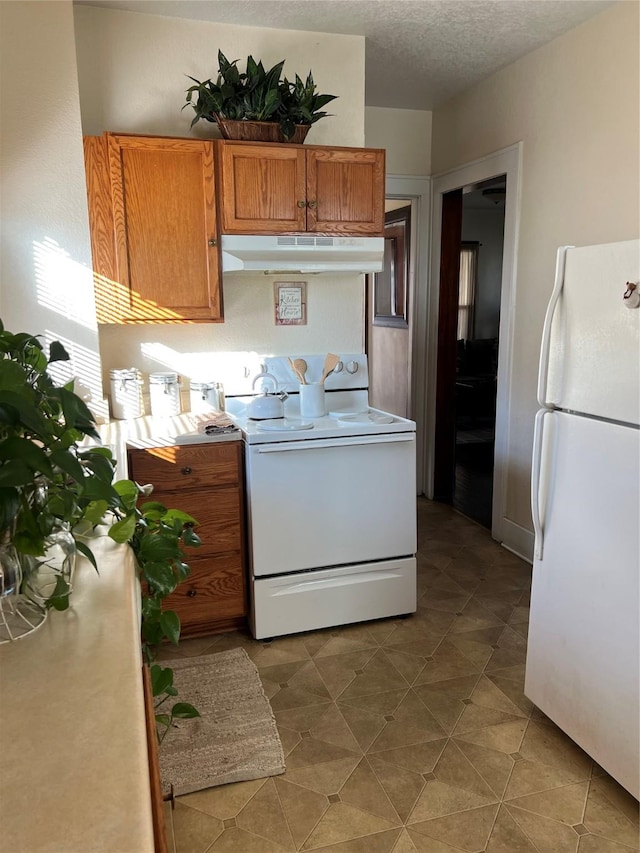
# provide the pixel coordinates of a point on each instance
(163, 378)
(202, 386)
(123, 373)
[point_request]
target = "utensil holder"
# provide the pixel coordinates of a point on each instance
(312, 400)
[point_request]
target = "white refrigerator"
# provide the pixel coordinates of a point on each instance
(583, 662)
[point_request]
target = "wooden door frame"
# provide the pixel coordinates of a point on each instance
(416, 189)
(507, 161)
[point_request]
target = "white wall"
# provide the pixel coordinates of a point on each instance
(334, 324)
(574, 103)
(486, 226)
(46, 277)
(132, 70)
(406, 135)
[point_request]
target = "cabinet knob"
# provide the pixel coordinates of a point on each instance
(186, 470)
(192, 593)
(302, 203)
(212, 242)
(312, 204)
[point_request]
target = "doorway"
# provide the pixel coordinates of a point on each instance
(448, 193)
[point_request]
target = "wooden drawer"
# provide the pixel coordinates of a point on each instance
(213, 592)
(187, 467)
(219, 515)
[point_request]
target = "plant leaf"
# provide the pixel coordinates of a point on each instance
(184, 711)
(170, 624)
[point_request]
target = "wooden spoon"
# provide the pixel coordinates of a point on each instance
(329, 363)
(299, 366)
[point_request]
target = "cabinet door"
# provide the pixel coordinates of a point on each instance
(262, 188)
(213, 597)
(160, 192)
(345, 191)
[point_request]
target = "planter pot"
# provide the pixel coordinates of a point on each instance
(259, 131)
(19, 616)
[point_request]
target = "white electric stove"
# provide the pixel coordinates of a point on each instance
(331, 504)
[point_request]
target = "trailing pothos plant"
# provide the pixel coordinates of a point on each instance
(51, 480)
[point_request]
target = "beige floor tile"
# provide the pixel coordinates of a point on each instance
(601, 817)
(194, 830)
(530, 777)
(302, 808)
(468, 830)
(381, 842)
(565, 804)
(339, 671)
(403, 787)
(454, 768)
(412, 723)
(440, 754)
(377, 703)
(617, 796)
(478, 717)
(597, 844)
(418, 757)
(507, 837)
(505, 737)
(301, 719)
(263, 815)
(309, 679)
(364, 725)
(236, 840)
(549, 836)
(548, 745)
(325, 778)
(439, 799)
(494, 767)
(225, 801)
(333, 728)
(377, 676)
(364, 791)
(311, 751)
(289, 739)
(342, 822)
(489, 694)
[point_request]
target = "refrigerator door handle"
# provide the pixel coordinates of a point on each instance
(535, 482)
(543, 371)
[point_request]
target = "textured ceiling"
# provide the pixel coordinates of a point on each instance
(419, 53)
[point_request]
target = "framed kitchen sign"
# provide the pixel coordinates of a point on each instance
(291, 303)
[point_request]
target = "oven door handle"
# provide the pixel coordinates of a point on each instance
(319, 444)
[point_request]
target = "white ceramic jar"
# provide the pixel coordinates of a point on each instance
(164, 393)
(126, 393)
(206, 396)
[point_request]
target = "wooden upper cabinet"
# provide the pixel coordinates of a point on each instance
(292, 189)
(152, 214)
(345, 191)
(262, 188)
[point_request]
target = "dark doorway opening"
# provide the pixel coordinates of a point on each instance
(468, 330)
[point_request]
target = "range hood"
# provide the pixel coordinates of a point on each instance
(305, 254)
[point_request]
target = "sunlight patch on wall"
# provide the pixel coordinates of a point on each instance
(225, 367)
(62, 284)
(84, 368)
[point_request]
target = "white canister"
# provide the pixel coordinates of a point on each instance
(312, 400)
(126, 393)
(206, 396)
(164, 392)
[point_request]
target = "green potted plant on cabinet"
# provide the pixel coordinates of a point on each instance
(256, 104)
(55, 492)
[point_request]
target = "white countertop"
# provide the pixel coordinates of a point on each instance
(73, 755)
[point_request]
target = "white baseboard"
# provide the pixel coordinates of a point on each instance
(517, 539)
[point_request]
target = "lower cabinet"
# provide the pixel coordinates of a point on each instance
(206, 481)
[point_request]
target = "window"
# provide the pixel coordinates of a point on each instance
(467, 289)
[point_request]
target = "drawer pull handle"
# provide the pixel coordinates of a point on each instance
(192, 593)
(186, 470)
